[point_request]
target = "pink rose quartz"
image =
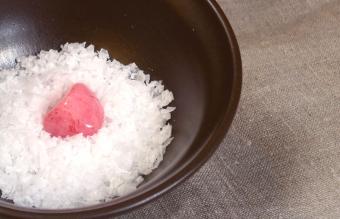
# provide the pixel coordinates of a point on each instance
(79, 111)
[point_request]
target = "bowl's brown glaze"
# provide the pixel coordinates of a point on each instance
(187, 44)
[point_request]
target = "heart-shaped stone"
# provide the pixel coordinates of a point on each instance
(79, 111)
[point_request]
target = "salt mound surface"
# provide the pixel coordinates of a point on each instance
(37, 170)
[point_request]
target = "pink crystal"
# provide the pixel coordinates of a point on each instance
(79, 111)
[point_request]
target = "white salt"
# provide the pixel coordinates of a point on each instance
(37, 170)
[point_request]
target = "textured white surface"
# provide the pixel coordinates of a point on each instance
(45, 172)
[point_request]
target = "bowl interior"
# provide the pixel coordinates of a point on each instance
(182, 43)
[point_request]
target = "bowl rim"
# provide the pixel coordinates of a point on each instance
(188, 168)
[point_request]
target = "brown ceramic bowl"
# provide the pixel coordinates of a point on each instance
(187, 44)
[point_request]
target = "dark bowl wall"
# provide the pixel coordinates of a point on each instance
(183, 43)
